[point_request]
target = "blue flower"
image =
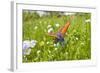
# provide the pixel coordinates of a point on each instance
(27, 45)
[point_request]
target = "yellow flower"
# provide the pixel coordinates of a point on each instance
(41, 43)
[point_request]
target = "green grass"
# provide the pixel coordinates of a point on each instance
(78, 40)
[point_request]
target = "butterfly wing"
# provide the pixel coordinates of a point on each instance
(52, 35)
(64, 29)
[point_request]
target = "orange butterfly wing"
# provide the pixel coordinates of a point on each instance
(65, 28)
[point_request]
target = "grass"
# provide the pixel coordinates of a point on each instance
(78, 40)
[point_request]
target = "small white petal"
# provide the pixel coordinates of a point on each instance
(48, 26)
(66, 53)
(50, 30)
(82, 43)
(49, 51)
(38, 51)
(35, 27)
(27, 52)
(55, 44)
(26, 44)
(47, 42)
(33, 43)
(88, 20)
(57, 25)
(56, 48)
(76, 38)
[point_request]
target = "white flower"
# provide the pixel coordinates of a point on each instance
(27, 52)
(56, 48)
(27, 45)
(57, 25)
(33, 43)
(48, 26)
(58, 44)
(76, 38)
(88, 20)
(55, 44)
(47, 42)
(82, 43)
(41, 13)
(38, 51)
(66, 53)
(49, 51)
(50, 30)
(35, 27)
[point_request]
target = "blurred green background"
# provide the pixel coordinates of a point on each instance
(36, 25)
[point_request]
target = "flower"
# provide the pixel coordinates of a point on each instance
(49, 51)
(55, 44)
(27, 52)
(41, 43)
(57, 25)
(88, 20)
(35, 27)
(58, 44)
(27, 45)
(50, 30)
(47, 42)
(56, 48)
(38, 51)
(76, 38)
(66, 53)
(33, 43)
(49, 26)
(82, 43)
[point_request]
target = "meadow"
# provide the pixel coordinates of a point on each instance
(77, 39)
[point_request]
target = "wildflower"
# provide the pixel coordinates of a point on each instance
(35, 27)
(58, 44)
(41, 43)
(55, 44)
(76, 38)
(47, 42)
(33, 43)
(66, 53)
(27, 45)
(82, 43)
(88, 20)
(50, 30)
(56, 48)
(49, 51)
(27, 52)
(48, 26)
(57, 25)
(38, 51)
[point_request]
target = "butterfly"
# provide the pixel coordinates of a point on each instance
(60, 34)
